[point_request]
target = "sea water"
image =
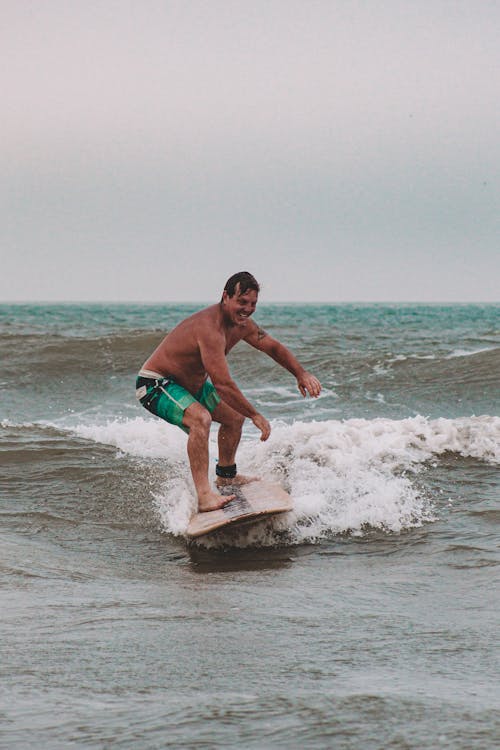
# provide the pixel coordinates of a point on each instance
(365, 618)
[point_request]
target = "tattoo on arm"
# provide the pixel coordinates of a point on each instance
(261, 334)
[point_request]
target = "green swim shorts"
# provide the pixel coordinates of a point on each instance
(168, 400)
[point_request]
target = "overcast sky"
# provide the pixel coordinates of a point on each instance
(341, 151)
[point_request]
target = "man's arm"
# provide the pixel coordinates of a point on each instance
(261, 340)
(212, 350)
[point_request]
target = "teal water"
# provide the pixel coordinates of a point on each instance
(368, 617)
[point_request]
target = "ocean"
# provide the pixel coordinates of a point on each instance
(366, 618)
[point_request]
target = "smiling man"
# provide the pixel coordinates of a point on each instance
(187, 382)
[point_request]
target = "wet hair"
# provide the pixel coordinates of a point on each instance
(246, 282)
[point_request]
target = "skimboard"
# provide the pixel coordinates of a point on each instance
(253, 501)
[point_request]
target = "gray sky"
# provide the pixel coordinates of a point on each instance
(340, 150)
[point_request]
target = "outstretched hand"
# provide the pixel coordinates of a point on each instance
(309, 384)
(263, 425)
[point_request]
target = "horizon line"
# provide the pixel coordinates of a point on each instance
(261, 302)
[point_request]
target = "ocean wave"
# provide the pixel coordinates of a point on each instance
(471, 377)
(344, 476)
(470, 352)
(28, 356)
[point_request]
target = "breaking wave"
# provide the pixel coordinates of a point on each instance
(347, 476)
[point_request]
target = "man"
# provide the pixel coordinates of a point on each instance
(173, 383)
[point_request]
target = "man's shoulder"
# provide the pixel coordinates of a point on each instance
(201, 316)
(209, 314)
(207, 321)
(252, 330)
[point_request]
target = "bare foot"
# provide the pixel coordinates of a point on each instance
(212, 501)
(238, 480)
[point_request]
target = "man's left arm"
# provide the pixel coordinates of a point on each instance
(261, 340)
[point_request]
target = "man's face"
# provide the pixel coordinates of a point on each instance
(240, 307)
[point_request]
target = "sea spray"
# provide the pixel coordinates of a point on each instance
(344, 476)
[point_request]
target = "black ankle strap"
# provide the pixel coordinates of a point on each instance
(226, 472)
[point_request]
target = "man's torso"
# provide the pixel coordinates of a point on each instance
(178, 355)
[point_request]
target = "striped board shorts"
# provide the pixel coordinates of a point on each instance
(168, 400)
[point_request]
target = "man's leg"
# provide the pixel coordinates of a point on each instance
(231, 423)
(198, 420)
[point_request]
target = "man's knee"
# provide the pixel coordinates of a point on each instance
(197, 418)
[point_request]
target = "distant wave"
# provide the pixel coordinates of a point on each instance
(470, 353)
(54, 354)
(479, 367)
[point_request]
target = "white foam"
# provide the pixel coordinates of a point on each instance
(469, 352)
(344, 476)
(146, 438)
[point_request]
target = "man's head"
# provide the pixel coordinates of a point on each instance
(241, 282)
(239, 298)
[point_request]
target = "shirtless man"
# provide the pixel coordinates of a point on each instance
(173, 383)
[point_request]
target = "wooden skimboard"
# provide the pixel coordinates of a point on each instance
(253, 501)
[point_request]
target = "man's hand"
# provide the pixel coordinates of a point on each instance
(263, 425)
(307, 383)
